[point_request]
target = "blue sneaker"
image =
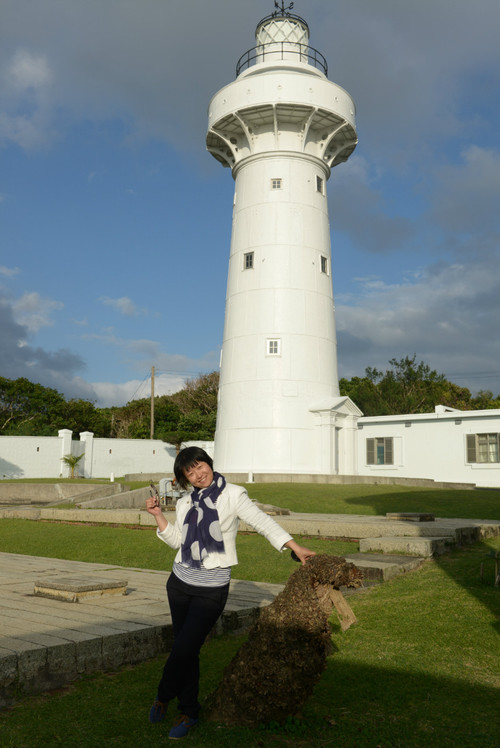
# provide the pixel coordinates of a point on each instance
(158, 711)
(182, 726)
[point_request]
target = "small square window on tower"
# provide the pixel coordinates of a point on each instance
(276, 184)
(248, 261)
(320, 185)
(324, 264)
(273, 347)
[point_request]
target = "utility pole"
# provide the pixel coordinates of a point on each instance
(152, 430)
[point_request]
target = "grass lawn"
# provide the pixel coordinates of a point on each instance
(377, 499)
(140, 548)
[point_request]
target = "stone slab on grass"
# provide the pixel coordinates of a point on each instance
(75, 588)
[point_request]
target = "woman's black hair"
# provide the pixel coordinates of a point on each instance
(186, 459)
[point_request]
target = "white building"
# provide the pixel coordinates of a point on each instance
(280, 127)
(448, 445)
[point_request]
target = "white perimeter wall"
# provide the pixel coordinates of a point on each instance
(40, 457)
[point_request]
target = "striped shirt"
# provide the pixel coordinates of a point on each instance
(218, 577)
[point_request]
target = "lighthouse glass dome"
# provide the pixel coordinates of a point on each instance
(280, 38)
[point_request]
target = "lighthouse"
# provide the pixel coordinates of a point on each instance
(281, 126)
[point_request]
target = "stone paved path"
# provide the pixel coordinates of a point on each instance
(45, 643)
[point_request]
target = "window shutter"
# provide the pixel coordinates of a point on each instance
(370, 451)
(471, 448)
(388, 451)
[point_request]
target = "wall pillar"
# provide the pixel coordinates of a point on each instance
(87, 440)
(65, 435)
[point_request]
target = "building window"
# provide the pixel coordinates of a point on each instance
(379, 451)
(320, 185)
(248, 261)
(273, 347)
(483, 448)
(276, 184)
(324, 264)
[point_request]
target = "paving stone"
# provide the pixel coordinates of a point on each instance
(78, 587)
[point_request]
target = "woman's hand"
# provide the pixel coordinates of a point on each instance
(302, 553)
(153, 506)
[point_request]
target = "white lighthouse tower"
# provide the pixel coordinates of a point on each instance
(280, 127)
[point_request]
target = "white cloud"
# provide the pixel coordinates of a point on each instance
(22, 359)
(25, 95)
(109, 394)
(124, 305)
(34, 312)
(28, 72)
(9, 272)
(448, 317)
(358, 207)
(467, 195)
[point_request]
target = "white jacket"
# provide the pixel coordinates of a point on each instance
(233, 504)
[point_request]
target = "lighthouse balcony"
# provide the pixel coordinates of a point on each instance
(282, 51)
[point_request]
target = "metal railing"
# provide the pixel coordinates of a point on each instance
(281, 51)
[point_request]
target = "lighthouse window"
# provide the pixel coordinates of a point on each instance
(324, 264)
(248, 261)
(276, 184)
(273, 347)
(320, 185)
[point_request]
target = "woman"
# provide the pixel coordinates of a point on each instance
(205, 531)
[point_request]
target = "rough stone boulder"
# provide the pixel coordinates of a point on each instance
(275, 670)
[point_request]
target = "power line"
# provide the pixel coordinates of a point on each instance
(475, 374)
(140, 385)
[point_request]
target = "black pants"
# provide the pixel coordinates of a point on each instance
(194, 612)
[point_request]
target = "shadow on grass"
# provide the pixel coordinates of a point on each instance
(465, 504)
(353, 706)
(378, 706)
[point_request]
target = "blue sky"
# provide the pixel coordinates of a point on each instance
(115, 221)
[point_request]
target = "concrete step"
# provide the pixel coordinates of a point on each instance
(361, 526)
(379, 567)
(417, 546)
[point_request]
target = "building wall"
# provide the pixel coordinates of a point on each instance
(431, 445)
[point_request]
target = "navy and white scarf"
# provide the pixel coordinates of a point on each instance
(201, 533)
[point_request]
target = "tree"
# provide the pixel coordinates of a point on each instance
(72, 461)
(187, 415)
(82, 415)
(407, 387)
(28, 408)
(199, 394)
(484, 400)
